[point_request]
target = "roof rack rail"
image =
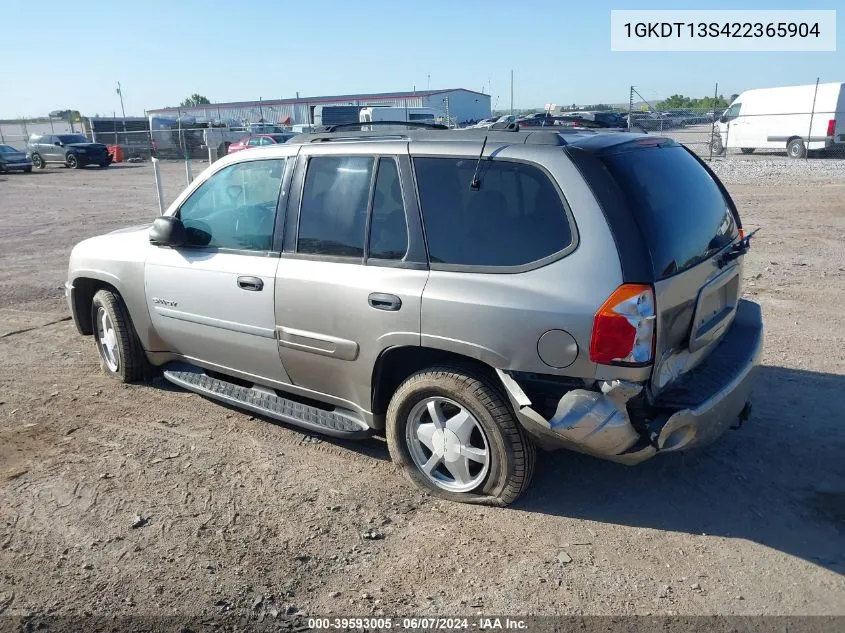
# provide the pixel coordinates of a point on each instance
(361, 125)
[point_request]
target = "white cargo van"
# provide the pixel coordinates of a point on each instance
(784, 118)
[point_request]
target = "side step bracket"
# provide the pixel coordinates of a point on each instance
(338, 423)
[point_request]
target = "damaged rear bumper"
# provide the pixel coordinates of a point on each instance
(693, 413)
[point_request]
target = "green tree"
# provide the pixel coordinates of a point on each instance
(195, 100)
(680, 102)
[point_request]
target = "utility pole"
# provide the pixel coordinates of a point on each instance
(122, 110)
(511, 90)
(428, 82)
(630, 105)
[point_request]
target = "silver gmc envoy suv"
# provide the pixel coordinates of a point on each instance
(471, 294)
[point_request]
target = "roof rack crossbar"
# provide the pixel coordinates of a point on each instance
(337, 127)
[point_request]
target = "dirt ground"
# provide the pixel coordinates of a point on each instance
(246, 515)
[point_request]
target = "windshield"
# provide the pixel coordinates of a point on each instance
(280, 138)
(6, 149)
(72, 138)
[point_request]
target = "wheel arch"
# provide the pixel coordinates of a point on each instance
(84, 289)
(395, 364)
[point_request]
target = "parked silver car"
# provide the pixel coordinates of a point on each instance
(471, 293)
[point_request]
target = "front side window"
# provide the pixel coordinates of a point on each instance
(255, 141)
(335, 199)
(236, 207)
(732, 112)
(516, 217)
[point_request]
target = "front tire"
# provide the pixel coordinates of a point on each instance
(72, 161)
(120, 354)
(716, 146)
(38, 162)
(452, 433)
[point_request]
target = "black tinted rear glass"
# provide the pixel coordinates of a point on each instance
(72, 138)
(680, 209)
(517, 217)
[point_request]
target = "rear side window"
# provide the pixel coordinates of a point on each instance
(333, 215)
(516, 218)
(681, 212)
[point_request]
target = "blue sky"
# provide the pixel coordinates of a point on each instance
(71, 54)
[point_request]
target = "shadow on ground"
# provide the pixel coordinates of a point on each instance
(779, 481)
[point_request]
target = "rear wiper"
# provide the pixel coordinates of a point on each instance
(737, 250)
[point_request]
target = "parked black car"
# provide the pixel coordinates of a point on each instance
(71, 150)
(11, 160)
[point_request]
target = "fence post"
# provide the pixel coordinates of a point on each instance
(727, 137)
(713, 122)
(159, 191)
(812, 112)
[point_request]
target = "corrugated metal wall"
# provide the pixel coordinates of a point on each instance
(274, 113)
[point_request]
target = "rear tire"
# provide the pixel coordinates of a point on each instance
(27, 170)
(746, 150)
(38, 162)
(474, 419)
(121, 355)
(796, 148)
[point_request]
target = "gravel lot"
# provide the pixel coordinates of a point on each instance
(241, 514)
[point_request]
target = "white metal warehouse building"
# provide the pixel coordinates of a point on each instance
(458, 104)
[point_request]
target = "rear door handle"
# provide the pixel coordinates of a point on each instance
(250, 283)
(381, 301)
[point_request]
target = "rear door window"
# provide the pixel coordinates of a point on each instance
(333, 212)
(388, 228)
(681, 212)
(517, 217)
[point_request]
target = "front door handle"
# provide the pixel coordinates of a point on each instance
(381, 301)
(250, 283)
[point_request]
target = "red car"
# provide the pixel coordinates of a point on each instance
(259, 140)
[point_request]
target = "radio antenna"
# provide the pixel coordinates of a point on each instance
(475, 183)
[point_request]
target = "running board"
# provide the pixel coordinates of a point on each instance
(338, 423)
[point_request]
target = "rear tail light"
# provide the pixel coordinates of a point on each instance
(831, 127)
(623, 328)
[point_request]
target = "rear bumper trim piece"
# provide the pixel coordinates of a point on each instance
(598, 423)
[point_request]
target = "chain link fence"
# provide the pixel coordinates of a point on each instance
(798, 121)
(809, 121)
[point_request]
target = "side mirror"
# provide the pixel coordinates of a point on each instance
(167, 231)
(723, 119)
(58, 143)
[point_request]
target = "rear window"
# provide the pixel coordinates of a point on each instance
(516, 218)
(682, 214)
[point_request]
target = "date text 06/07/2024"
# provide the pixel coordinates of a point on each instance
(419, 624)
